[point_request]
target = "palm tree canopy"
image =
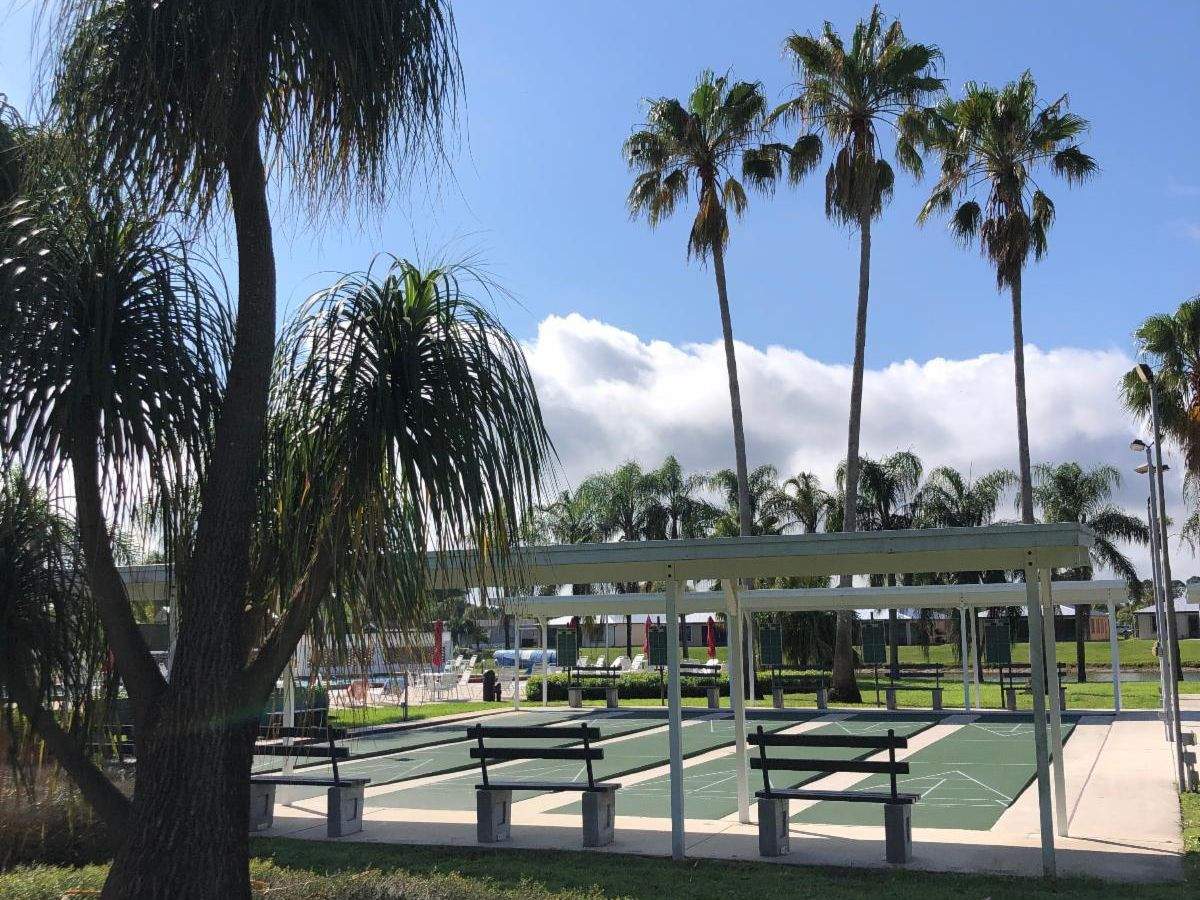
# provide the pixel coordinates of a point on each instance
(951, 500)
(1069, 493)
(996, 139)
(888, 490)
(622, 500)
(764, 487)
(677, 511)
(696, 148)
(1171, 343)
(338, 92)
(802, 503)
(846, 94)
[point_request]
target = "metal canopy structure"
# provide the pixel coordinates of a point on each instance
(1035, 549)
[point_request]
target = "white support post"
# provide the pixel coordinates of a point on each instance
(674, 718)
(965, 656)
(737, 698)
(1114, 647)
(748, 631)
(1037, 677)
(545, 660)
(1056, 741)
(975, 657)
(289, 714)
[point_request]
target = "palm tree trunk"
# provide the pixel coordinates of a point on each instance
(1022, 415)
(845, 685)
(1083, 616)
(188, 833)
(629, 637)
(745, 515)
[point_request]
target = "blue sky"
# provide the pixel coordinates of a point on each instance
(619, 325)
(537, 189)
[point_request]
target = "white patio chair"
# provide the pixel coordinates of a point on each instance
(621, 662)
(639, 663)
(463, 685)
(457, 662)
(581, 662)
(599, 663)
(470, 666)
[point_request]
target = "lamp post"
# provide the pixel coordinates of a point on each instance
(1156, 595)
(1162, 578)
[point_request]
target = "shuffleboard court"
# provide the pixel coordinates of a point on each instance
(448, 756)
(634, 754)
(710, 788)
(966, 780)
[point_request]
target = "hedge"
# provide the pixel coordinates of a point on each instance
(646, 685)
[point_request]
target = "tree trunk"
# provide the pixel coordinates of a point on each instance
(1022, 417)
(629, 637)
(188, 832)
(845, 685)
(745, 514)
(1083, 617)
(894, 642)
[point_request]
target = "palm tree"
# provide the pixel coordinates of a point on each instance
(622, 503)
(848, 95)
(998, 139)
(802, 503)
(192, 106)
(1069, 493)
(696, 148)
(571, 518)
(1171, 342)
(764, 489)
(677, 511)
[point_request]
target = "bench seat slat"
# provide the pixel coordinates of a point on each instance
(847, 796)
(865, 741)
(311, 782)
(882, 767)
(507, 753)
(555, 786)
(564, 733)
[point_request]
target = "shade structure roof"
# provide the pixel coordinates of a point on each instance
(817, 599)
(1062, 545)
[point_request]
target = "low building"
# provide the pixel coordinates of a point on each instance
(1187, 620)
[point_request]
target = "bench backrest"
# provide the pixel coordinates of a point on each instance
(584, 733)
(889, 742)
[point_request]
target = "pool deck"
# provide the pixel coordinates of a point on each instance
(1122, 813)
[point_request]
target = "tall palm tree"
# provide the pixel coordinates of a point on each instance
(571, 518)
(996, 140)
(193, 106)
(848, 95)
(764, 489)
(802, 503)
(677, 510)
(1069, 493)
(682, 150)
(1171, 343)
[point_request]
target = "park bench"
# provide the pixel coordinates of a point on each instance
(344, 796)
(1022, 673)
(905, 671)
(592, 679)
(493, 799)
(773, 802)
(791, 684)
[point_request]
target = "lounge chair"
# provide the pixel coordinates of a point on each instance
(639, 663)
(599, 663)
(463, 685)
(581, 662)
(621, 662)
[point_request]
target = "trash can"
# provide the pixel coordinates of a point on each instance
(491, 690)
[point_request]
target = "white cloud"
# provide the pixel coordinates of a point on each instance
(609, 396)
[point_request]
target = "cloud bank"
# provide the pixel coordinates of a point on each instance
(609, 396)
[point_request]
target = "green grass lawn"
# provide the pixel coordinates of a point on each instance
(302, 870)
(1135, 652)
(386, 715)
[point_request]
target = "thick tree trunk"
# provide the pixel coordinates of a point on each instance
(845, 685)
(1022, 417)
(629, 637)
(1083, 618)
(188, 831)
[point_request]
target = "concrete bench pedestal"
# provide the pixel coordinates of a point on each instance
(714, 696)
(493, 810)
(575, 697)
(1010, 699)
(262, 806)
(897, 831)
(937, 698)
(773, 827)
(599, 817)
(345, 810)
(610, 697)
(822, 698)
(890, 695)
(777, 697)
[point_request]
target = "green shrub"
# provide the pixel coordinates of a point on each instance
(647, 685)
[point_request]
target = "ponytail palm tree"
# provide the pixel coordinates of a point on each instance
(695, 149)
(848, 95)
(996, 140)
(192, 107)
(1069, 493)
